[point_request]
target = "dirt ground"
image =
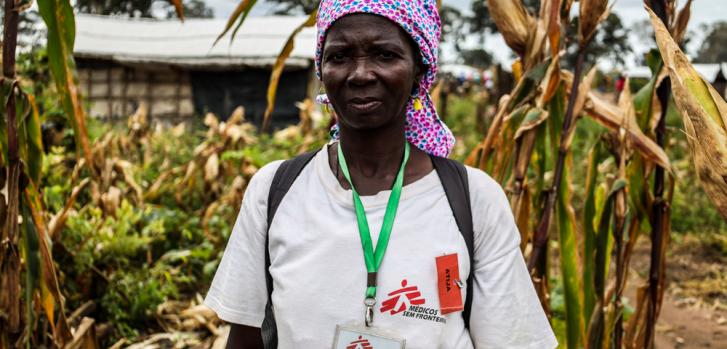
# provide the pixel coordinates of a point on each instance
(694, 312)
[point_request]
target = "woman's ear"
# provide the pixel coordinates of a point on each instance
(419, 70)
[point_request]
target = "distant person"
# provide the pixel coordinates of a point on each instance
(446, 270)
(620, 84)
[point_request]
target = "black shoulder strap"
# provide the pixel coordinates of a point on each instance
(282, 181)
(453, 176)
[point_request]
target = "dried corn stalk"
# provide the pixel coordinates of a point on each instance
(512, 21)
(704, 113)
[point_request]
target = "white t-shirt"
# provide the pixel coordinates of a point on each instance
(319, 273)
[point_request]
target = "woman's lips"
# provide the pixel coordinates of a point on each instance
(364, 106)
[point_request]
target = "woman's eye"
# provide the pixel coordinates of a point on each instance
(387, 54)
(336, 57)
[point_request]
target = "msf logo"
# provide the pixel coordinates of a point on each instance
(360, 343)
(400, 299)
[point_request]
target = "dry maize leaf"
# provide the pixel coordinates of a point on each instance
(525, 142)
(550, 83)
(191, 169)
(211, 121)
(704, 113)
(208, 214)
(232, 129)
(280, 64)
(512, 21)
(482, 151)
(59, 19)
(626, 104)
(124, 167)
(583, 89)
(592, 13)
(155, 189)
(517, 69)
(520, 204)
(84, 336)
(533, 118)
(637, 319)
(536, 43)
(212, 168)
(139, 120)
(199, 310)
(237, 116)
(48, 303)
(179, 130)
(48, 268)
(222, 335)
(566, 6)
(110, 200)
(550, 10)
(242, 9)
(179, 9)
(612, 117)
(58, 221)
(680, 27)
(34, 140)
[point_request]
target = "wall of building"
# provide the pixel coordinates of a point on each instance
(114, 90)
(173, 93)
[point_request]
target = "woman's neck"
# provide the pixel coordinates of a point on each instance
(374, 154)
(374, 158)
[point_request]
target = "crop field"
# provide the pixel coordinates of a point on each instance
(112, 229)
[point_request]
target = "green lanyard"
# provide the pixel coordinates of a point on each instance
(373, 259)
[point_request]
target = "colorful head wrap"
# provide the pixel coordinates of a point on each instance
(420, 19)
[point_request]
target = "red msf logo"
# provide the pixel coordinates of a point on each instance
(412, 296)
(360, 343)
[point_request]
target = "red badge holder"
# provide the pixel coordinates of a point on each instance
(450, 285)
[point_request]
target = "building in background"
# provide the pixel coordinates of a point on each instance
(174, 68)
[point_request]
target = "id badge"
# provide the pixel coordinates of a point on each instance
(360, 337)
(450, 295)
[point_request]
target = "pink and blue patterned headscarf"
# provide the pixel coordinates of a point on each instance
(420, 19)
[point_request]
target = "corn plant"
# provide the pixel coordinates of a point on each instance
(26, 262)
(527, 149)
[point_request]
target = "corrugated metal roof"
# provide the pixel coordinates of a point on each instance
(257, 43)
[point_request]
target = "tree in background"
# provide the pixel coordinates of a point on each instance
(289, 7)
(714, 49)
(478, 57)
(143, 8)
(610, 44)
(453, 26)
(192, 9)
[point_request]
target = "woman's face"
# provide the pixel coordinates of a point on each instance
(369, 69)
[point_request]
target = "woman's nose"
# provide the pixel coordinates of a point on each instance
(361, 72)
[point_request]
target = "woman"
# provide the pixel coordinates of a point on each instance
(331, 284)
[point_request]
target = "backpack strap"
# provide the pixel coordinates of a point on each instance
(282, 181)
(453, 176)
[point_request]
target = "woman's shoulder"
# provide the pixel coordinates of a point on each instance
(495, 231)
(484, 188)
(263, 178)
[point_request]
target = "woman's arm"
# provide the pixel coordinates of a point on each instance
(244, 337)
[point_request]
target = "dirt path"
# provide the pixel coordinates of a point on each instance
(683, 327)
(693, 314)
